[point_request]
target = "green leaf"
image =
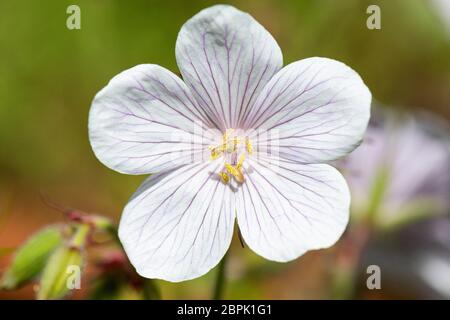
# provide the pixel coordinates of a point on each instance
(30, 258)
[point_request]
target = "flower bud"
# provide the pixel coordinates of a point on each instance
(31, 257)
(101, 223)
(62, 272)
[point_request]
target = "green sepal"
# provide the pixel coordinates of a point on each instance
(30, 258)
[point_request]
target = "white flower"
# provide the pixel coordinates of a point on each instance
(277, 127)
(402, 170)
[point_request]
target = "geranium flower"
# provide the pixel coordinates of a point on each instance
(404, 163)
(241, 137)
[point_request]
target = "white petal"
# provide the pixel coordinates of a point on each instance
(415, 156)
(145, 120)
(226, 57)
(317, 108)
(286, 209)
(178, 225)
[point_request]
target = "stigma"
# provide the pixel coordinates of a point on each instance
(234, 149)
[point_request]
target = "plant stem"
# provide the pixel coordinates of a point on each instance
(220, 279)
(80, 237)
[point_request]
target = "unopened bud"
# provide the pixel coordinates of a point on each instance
(31, 257)
(64, 264)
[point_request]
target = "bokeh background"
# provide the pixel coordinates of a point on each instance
(49, 76)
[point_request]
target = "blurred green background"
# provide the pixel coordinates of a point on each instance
(49, 76)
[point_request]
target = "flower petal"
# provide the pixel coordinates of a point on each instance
(413, 154)
(286, 209)
(318, 107)
(144, 121)
(226, 57)
(178, 225)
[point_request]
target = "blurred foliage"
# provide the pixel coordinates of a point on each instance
(421, 270)
(49, 76)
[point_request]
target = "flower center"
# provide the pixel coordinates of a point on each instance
(234, 149)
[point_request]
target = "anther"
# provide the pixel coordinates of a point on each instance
(248, 146)
(224, 177)
(235, 172)
(240, 161)
(234, 148)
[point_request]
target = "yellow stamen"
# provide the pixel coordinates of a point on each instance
(216, 152)
(232, 146)
(235, 143)
(224, 177)
(248, 146)
(240, 161)
(235, 172)
(225, 138)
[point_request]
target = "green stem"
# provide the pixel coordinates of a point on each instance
(220, 279)
(80, 236)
